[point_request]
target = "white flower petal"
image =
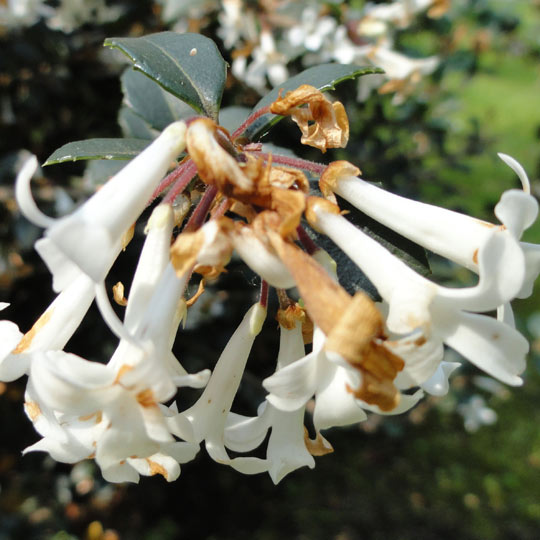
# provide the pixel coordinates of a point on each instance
(493, 346)
(422, 355)
(335, 405)
(518, 169)
(69, 383)
(437, 384)
(286, 448)
(120, 472)
(517, 210)
(291, 387)
(12, 366)
(152, 263)
(245, 465)
(23, 195)
(244, 433)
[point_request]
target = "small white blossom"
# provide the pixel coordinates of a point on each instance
(286, 449)
(267, 63)
(476, 414)
(206, 420)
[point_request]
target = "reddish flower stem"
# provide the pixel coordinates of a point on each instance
(221, 209)
(297, 163)
(309, 245)
(201, 210)
(188, 171)
(263, 300)
(249, 120)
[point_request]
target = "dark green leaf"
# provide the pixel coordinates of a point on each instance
(133, 126)
(98, 171)
(324, 77)
(188, 66)
(149, 101)
(232, 117)
(98, 149)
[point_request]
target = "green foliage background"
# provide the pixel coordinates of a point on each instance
(417, 477)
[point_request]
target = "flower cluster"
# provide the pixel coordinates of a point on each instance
(66, 17)
(266, 37)
(340, 356)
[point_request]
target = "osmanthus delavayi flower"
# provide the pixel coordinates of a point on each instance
(89, 239)
(433, 314)
(289, 446)
(344, 371)
(118, 415)
(364, 357)
(207, 418)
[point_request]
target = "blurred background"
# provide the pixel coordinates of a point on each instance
(463, 83)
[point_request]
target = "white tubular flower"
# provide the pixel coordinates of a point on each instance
(50, 332)
(95, 409)
(330, 380)
(398, 13)
(236, 23)
(156, 329)
(458, 237)
(418, 305)
(267, 62)
(286, 449)
(476, 414)
(152, 263)
(69, 438)
(312, 31)
(206, 419)
(399, 67)
(90, 239)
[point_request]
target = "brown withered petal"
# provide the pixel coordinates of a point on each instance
(323, 124)
(310, 213)
(325, 300)
(378, 392)
(287, 177)
(243, 210)
(210, 273)
(210, 247)
(307, 330)
(215, 165)
(358, 325)
(318, 446)
(331, 175)
(393, 85)
(289, 205)
(357, 337)
(184, 251)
